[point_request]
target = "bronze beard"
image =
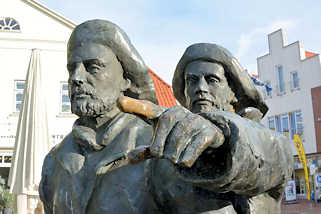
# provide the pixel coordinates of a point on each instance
(90, 105)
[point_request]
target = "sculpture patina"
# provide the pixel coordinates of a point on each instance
(205, 157)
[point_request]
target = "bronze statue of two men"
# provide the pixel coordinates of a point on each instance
(209, 155)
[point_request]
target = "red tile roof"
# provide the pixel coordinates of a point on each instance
(164, 91)
(309, 54)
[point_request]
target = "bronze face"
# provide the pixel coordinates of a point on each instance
(95, 79)
(206, 87)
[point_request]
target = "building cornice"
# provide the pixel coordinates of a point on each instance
(50, 13)
(33, 40)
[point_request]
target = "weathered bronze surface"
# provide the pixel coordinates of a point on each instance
(209, 155)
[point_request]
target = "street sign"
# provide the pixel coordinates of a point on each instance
(290, 191)
(318, 179)
(312, 169)
(318, 185)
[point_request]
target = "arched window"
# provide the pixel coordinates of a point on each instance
(9, 24)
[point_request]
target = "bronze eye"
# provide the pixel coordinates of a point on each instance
(213, 80)
(92, 68)
(191, 79)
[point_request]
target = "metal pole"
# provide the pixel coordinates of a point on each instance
(314, 190)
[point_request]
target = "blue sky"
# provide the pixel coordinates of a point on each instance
(162, 30)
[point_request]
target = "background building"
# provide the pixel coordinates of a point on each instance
(27, 25)
(295, 99)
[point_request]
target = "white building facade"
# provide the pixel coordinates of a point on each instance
(27, 25)
(292, 73)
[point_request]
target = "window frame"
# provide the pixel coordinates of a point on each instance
(278, 123)
(4, 163)
(268, 93)
(283, 118)
(293, 87)
(300, 130)
(271, 120)
(8, 25)
(64, 93)
(18, 91)
(294, 118)
(280, 81)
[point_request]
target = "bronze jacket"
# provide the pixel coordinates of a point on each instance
(245, 175)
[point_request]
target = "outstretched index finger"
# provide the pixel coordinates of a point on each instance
(141, 107)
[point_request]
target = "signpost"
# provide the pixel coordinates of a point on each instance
(312, 173)
(290, 192)
(318, 185)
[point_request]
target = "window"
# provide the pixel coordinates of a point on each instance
(292, 124)
(271, 123)
(9, 24)
(280, 79)
(285, 124)
(19, 85)
(278, 124)
(268, 88)
(294, 80)
(7, 159)
(282, 123)
(299, 122)
(288, 124)
(296, 123)
(65, 102)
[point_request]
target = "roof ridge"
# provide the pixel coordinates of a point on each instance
(50, 12)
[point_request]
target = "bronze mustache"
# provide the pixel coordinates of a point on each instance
(82, 90)
(203, 99)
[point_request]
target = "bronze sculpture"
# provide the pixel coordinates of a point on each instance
(207, 159)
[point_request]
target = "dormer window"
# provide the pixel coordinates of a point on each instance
(9, 24)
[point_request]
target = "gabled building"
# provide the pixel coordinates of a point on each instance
(295, 99)
(26, 25)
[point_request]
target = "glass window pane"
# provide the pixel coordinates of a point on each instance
(65, 99)
(298, 116)
(17, 27)
(285, 123)
(278, 124)
(19, 97)
(7, 159)
(65, 108)
(295, 80)
(65, 87)
(271, 123)
(281, 80)
(7, 20)
(268, 88)
(20, 85)
(292, 124)
(18, 107)
(13, 22)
